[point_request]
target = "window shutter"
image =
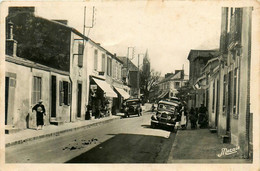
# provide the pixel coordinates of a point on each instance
(69, 93)
(61, 93)
(80, 54)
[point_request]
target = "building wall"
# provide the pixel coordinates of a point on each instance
(41, 40)
(23, 117)
(78, 75)
(239, 118)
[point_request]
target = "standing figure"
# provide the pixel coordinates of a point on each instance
(183, 118)
(193, 118)
(153, 107)
(203, 119)
(40, 111)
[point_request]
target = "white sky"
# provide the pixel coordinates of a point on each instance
(167, 29)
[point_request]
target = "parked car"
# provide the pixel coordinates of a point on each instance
(166, 114)
(175, 100)
(132, 107)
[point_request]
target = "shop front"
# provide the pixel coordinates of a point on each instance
(101, 98)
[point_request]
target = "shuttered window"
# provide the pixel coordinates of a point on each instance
(65, 93)
(103, 63)
(95, 59)
(224, 92)
(80, 54)
(235, 93)
(37, 88)
(61, 93)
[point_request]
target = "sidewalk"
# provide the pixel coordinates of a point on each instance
(201, 146)
(52, 130)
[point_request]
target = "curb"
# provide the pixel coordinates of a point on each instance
(60, 132)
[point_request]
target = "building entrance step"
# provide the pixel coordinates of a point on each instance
(213, 130)
(225, 138)
(57, 123)
(11, 130)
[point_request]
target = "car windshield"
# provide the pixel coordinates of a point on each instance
(166, 106)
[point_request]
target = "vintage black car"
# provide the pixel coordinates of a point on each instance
(166, 114)
(132, 107)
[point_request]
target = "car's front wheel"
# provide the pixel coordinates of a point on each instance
(153, 125)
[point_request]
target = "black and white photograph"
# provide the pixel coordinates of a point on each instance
(107, 85)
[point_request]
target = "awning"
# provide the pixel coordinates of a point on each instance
(106, 88)
(123, 93)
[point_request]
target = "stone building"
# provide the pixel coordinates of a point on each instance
(224, 82)
(62, 64)
(168, 87)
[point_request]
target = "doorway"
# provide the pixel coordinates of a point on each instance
(229, 102)
(53, 96)
(10, 84)
(6, 98)
(79, 100)
(217, 105)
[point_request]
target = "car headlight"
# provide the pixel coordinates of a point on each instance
(153, 117)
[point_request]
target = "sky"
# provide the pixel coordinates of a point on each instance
(168, 30)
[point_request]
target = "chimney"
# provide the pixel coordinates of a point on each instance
(65, 22)
(11, 44)
(224, 30)
(15, 10)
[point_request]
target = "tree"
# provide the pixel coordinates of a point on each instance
(184, 92)
(147, 81)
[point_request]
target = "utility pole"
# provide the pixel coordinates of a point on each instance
(138, 79)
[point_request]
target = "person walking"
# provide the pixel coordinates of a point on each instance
(40, 111)
(183, 117)
(203, 120)
(193, 118)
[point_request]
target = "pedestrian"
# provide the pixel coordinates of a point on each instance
(183, 118)
(193, 118)
(153, 107)
(203, 119)
(40, 111)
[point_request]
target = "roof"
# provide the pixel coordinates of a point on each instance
(131, 66)
(71, 29)
(168, 102)
(203, 53)
(176, 76)
(28, 63)
(134, 99)
(210, 61)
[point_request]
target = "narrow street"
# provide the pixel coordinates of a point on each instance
(127, 140)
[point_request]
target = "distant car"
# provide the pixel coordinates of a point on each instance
(166, 114)
(132, 107)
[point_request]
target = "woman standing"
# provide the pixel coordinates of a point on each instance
(183, 118)
(40, 111)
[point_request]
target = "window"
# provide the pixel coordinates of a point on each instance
(65, 93)
(235, 92)
(177, 85)
(37, 88)
(80, 54)
(224, 92)
(95, 59)
(109, 66)
(103, 63)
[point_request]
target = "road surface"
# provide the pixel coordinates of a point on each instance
(126, 140)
